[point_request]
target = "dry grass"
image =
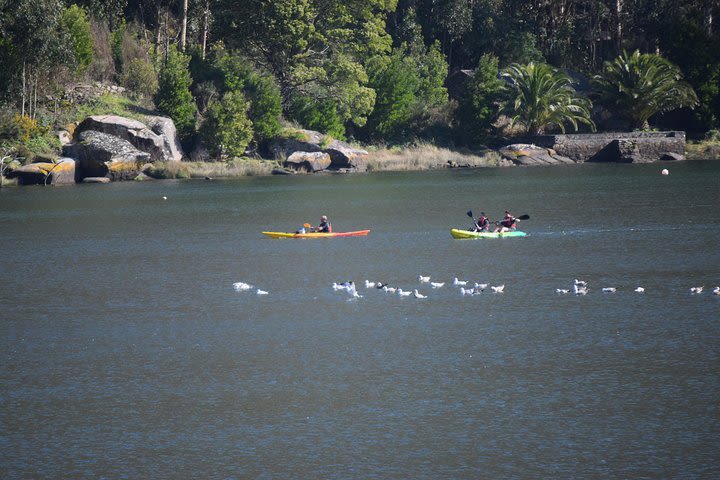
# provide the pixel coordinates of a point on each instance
(242, 167)
(428, 157)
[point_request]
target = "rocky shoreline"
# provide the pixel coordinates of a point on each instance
(105, 148)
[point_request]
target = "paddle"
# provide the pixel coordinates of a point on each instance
(521, 217)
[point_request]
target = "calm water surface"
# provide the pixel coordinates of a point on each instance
(125, 352)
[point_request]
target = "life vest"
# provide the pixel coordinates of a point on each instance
(484, 223)
(508, 222)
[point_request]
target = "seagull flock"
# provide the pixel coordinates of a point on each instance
(465, 287)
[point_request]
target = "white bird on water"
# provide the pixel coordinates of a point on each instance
(403, 293)
(562, 291)
(437, 284)
(261, 292)
(424, 279)
(639, 290)
(466, 291)
(696, 290)
(240, 286)
(498, 289)
(609, 289)
(459, 282)
(418, 294)
(480, 286)
(716, 291)
(369, 284)
(389, 289)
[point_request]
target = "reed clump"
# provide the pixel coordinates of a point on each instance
(428, 157)
(239, 167)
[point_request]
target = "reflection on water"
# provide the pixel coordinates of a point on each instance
(126, 351)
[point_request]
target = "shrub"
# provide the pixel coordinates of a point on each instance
(227, 130)
(140, 77)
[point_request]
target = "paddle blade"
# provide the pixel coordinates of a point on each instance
(469, 213)
(524, 217)
(307, 225)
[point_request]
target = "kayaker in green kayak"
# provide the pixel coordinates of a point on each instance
(482, 224)
(507, 224)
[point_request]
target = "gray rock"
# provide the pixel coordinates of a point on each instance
(57, 172)
(95, 180)
(64, 137)
(101, 155)
(308, 161)
(671, 156)
(530, 154)
(135, 132)
(165, 128)
(343, 155)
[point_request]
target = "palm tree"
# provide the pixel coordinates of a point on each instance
(637, 86)
(544, 97)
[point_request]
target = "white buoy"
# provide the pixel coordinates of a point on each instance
(665, 171)
(164, 197)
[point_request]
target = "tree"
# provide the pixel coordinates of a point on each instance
(638, 86)
(75, 23)
(237, 75)
(173, 96)
(227, 130)
(543, 97)
(479, 100)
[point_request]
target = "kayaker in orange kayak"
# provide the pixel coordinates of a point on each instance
(324, 227)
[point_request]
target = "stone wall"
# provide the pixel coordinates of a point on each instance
(633, 147)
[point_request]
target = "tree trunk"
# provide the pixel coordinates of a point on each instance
(22, 109)
(618, 30)
(205, 27)
(183, 33)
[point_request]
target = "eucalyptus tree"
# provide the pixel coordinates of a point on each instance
(639, 85)
(543, 97)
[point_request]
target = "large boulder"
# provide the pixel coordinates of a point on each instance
(102, 155)
(342, 155)
(310, 162)
(135, 132)
(165, 128)
(530, 154)
(57, 172)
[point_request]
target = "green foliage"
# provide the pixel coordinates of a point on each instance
(543, 97)
(638, 86)
(479, 101)
(227, 130)
(173, 96)
(410, 90)
(318, 115)
(313, 47)
(261, 91)
(140, 77)
(75, 23)
(395, 82)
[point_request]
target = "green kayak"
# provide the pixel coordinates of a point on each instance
(457, 233)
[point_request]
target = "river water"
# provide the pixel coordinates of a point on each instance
(125, 351)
